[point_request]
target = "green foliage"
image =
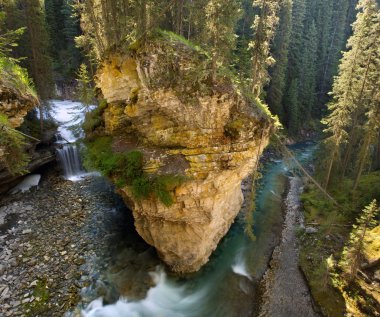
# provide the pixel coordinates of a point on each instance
(36, 39)
(12, 148)
(264, 25)
(352, 254)
(126, 169)
(41, 296)
(8, 39)
(85, 91)
(133, 161)
(93, 119)
(291, 99)
(63, 26)
(219, 32)
(174, 37)
(164, 184)
(13, 75)
(280, 54)
(99, 156)
(142, 187)
(160, 185)
(349, 201)
(355, 97)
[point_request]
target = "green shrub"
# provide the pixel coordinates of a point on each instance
(142, 187)
(94, 118)
(15, 76)
(164, 184)
(126, 169)
(133, 164)
(12, 148)
(99, 156)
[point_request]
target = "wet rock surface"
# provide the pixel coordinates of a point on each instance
(64, 244)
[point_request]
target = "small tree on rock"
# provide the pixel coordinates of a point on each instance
(85, 90)
(353, 253)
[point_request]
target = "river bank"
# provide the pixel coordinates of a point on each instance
(66, 244)
(51, 241)
(285, 291)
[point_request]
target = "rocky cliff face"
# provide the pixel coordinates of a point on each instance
(161, 101)
(14, 104)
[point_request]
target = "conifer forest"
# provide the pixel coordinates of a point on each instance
(190, 158)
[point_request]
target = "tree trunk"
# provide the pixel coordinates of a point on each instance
(328, 175)
(362, 158)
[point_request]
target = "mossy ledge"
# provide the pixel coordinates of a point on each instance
(199, 138)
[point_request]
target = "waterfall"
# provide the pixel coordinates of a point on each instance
(70, 161)
(69, 116)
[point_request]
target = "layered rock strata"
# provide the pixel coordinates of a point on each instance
(161, 104)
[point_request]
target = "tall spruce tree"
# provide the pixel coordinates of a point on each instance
(63, 26)
(330, 50)
(221, 20)
(280, 54)
(308, 72)
(264, 26)
(39, 60)
(294, 65)
(353, 253)
(291, 100)
(352, 86)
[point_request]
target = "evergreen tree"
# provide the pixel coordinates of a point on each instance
(63, 27)
(280, 54)
(308, 72)
(330, 49)
(12, 148)
(38, 61)
(296, 42)
(85, 90)
(264, 25)
(291, 100)
(351, 86)
(8, 38)
(352, 254)
(294, 65)
(221, 20)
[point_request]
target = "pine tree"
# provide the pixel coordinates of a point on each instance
(308, 72)
(8, 38)
(351, 85)
(330, 49)
(12, 148)
(291, 100)
(294, 65)
(280, 54)
(221, 20)
(296, 43)
(63, 26)
(85, 90)
(352, 254)
(264, 26)
(39, 61)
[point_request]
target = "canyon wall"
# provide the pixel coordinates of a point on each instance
(162, 101)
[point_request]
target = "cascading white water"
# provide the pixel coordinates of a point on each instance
(70, 161)
(69, 116)
(225, 286)
(166, 298)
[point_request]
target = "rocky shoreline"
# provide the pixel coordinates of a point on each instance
(54, 242)
(285, 290)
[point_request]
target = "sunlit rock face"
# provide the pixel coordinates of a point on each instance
(14, 104)
(184, 124)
